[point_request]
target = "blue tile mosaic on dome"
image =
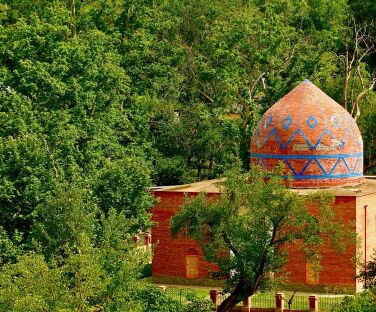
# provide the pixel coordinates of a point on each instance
(311, 159)
(287, 122)
(268, 121)
(312, 122)
(339, 158)
(312, 145)
(335, 121)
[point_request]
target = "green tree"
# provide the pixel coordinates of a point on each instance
(98, 265)
(367, 122)
(68, 119)
(362, 302)
(367, 273)
(206, 142)
(243, 56)
(245, 231)
(89, 96)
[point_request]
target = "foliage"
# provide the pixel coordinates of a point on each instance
(90, 272)
(245, 231)
(362, 302)
(367, 273)
(100, 99)
(81, 284)
(9, 250)
(197, 304)
(65, 123)
(367, 123)
(155, 300)
(204, 141)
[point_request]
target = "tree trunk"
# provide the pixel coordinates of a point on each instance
(73, 18)
(245, 138)
(237, 295)
(245, 150)
(346, 80)
(210, 174)
(228, 304)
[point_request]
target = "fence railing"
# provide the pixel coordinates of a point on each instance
(265, 300)
(179, 294)
(327, 304)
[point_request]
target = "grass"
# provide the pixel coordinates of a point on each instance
(168, 280)
(259, 300)
(180, 294)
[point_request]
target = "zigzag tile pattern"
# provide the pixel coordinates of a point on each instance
(316, 139)
(350, 161)
(312, 145)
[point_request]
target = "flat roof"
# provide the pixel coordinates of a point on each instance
(367, 187)
(207, 186)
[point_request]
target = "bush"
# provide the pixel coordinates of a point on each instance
(154, 299)
(363, 302)
(196, 304)
(146, 271)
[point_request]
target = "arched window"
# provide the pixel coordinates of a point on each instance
(191, 263)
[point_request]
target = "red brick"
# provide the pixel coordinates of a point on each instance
(284, 131)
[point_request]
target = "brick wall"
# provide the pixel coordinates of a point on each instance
(338, 269)
(366, 230)
(170, 255)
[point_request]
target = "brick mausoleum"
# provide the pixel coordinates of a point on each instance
(321, 147)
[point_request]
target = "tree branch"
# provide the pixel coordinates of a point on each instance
(52, 159)
(230, 244)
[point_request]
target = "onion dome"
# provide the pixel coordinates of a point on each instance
(317, 140)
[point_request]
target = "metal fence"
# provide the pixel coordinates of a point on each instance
(179, 294)
(299, 302)
(328, 304)
(265, 300)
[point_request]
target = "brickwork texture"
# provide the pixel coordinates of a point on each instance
(316, 139)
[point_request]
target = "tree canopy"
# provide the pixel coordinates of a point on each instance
(101, 99)
(246, 229)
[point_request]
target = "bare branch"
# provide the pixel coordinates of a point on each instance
(252, 90)
(206, 96)
(359, 97)
(246, 111)
(363, 45)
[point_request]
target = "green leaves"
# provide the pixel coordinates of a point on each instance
(245, 229)
(90, 101)
(206, 142)
(84, 281)
(66, 117)
(121, 185)
(362, 302)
